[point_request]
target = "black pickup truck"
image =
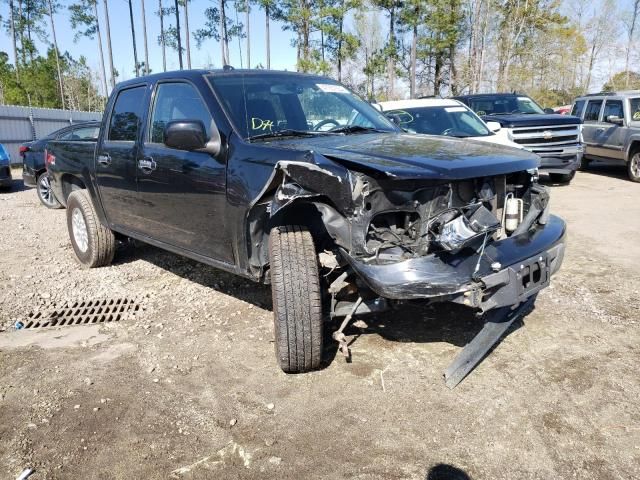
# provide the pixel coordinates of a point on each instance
(557, 139)
(293, 180)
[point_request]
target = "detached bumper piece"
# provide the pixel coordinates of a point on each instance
(497, 323)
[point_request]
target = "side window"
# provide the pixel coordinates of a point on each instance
(177, 101)
(86, 133)
(126, 115)
(592, 111)
(67, 135)
(577, 108)
(635, 109)
(613, 107)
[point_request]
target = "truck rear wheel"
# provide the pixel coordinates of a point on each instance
(633, 167)
(93, 243)
(297, 307)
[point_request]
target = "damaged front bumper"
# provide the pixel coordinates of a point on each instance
(508, 271)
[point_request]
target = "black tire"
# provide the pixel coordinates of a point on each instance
(584, 163)
(297, 306)
(45, 194)
(633, 167)
(562, 177)
(97, 245)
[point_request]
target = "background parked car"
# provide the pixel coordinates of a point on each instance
(555, 138)
(34, 171)
(5, 168)
(611, 129)
(437, 116)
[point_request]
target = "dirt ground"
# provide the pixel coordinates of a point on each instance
(189, 386)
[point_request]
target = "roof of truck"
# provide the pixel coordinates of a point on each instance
(200, 72)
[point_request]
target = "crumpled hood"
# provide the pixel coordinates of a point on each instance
(532, 120)
(404, 155)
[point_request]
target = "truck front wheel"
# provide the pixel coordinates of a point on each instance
(93, 243)
(562, 177)
(297, 307)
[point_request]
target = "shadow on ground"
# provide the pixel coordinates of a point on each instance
(444, 471)
(411, 322)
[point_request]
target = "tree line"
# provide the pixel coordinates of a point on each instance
(383, 49)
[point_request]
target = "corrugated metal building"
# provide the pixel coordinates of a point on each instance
(24, 124)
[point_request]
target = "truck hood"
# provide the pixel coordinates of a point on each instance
(409, 156)
(532, 120)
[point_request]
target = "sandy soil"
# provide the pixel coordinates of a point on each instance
(189, 387)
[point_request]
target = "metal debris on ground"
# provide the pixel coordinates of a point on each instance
(83, 312)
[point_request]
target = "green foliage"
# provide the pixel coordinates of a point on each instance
(38, 85)
(619, 82)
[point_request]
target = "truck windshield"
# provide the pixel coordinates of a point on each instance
(453, 121)
(284, 104)
(504, 105)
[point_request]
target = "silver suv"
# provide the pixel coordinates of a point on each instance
(611, 129)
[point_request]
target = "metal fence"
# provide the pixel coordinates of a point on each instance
(24, 124)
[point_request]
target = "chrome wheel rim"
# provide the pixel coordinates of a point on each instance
(44, 185)
(635, 165)
(79, 228)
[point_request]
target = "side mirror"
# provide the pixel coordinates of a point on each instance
(549, 110)
(494, 126)
(616, 120)
(185, 135)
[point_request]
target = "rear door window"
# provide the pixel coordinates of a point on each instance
(613, 107)
(592, 112)
(126, 115)
(577, 108)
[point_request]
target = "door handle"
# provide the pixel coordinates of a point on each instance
(104, 160)
(147, 164)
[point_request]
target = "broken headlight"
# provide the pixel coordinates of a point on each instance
(455, 229)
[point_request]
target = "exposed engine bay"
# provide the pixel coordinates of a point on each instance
(448, 217)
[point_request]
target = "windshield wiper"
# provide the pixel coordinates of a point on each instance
(355, 129)
(287, 132)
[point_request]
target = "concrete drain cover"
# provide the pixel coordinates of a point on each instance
(84, 312)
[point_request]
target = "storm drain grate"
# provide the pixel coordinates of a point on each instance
(83, 313)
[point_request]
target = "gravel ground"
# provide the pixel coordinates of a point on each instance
(188, 387)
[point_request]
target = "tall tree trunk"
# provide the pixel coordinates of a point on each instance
(109, 49)
(23, 52)
(133, 39)
(186, 33)
(224, 39)
(178, 34)
(414, 52)
(104, 71)
(392, 53)
(340, 30)
(267, 35)
(248, 37)
(144, 34)
(13, 39)
(164, 49)
(57, 52)
(632, 28)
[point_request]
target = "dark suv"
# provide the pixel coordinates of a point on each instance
(34, 173)
(555, 138)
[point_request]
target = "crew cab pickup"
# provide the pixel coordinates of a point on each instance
(293, 180)
(555, 138)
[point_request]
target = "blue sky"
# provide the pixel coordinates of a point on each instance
(283, 55)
